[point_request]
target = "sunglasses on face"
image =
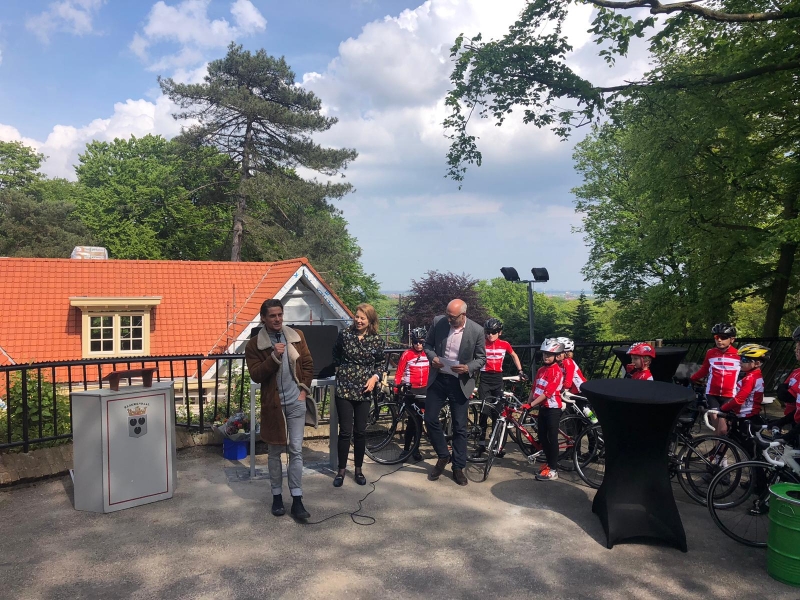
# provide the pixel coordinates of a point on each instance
(722, 337)
(744, 360)
(492, 332)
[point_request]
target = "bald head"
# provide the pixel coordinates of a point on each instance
(457, 307)
(456, 310)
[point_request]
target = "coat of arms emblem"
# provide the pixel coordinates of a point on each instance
(137, 421)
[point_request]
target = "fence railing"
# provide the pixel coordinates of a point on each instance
(35, 404)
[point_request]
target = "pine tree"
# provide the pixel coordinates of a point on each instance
(584, 326)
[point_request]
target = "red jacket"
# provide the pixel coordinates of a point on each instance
(722, 368)
(495, 353)
(549, 381)
(573, 377)
(793, 381)
(412, 369)
(641, 375)
(749, 395)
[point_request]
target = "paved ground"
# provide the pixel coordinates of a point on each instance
(508, 537)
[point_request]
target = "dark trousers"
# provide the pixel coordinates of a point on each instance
(352, 412)
(446, 390)
(490, 386)
(548, 434)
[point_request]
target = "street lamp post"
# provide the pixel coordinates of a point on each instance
(540, 275)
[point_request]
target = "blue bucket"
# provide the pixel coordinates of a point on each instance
(234, 450)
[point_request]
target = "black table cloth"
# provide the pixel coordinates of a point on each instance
(635, 499)
(664, 364)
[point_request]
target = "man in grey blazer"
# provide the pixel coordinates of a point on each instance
(456, 350)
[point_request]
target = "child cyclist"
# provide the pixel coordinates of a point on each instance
(749, 389)
(546, 394)
(491, 381)
(721, 369)
(412, 371)
(573, 376)
(789, 389)
(642, 354)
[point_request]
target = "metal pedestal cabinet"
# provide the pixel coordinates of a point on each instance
(124, 447)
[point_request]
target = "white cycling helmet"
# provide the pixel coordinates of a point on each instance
(552, 345)
(569, 345)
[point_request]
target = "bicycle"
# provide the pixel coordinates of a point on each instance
(692, 460)
(527, 443)
(738, 497)
(396, 426)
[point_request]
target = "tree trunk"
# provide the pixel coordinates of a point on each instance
(241, 199)
(780, 286)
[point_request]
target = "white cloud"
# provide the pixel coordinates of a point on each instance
(187, 24)
(65, 142)
(71, 16)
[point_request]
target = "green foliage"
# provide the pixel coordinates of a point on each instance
(508, 302)
(19, 165)
(584, 326)
(527, 69)
(52, 417)
(251, 109)
(149, 198)
(430, 295)
(41, 221)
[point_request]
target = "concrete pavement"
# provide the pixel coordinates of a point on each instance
(508, 537)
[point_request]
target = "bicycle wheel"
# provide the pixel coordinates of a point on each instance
(529, 423)
(741, 509)
(493, 447)
(589, 456)
(476, 436)
(569, 428)
(393, 433)
(701, 459)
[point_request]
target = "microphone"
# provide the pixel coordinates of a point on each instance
(278, 337)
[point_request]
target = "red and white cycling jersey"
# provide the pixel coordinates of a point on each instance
(549, 381)
(573, 377)
(793, 381)
(749, 395)
(643, 375)
(722, 368)
(412, 369)
(495, 353)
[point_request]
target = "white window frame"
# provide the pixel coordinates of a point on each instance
(115, 308)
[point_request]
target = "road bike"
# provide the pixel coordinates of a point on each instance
(739, 498)
(507, 421)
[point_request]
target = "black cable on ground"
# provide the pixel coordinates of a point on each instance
(354, 514)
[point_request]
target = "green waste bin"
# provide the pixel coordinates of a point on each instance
(783, 543)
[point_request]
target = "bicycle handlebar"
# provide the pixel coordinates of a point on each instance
(772, 444)
(514, 378)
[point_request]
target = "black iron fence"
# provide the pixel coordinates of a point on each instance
(35, 405)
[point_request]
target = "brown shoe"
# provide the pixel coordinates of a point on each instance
(438, 468)
(459, 477)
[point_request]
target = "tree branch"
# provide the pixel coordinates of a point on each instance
(691, 6)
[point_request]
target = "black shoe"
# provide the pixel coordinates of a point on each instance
(459, 477)
(417, 456)
(360, 479)
(338, 480)
(438, 468)
(277, 505)
(298, 510)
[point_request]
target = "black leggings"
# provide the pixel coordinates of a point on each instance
(350, 412)
(548, 434)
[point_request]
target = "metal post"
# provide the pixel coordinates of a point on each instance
(530, 321)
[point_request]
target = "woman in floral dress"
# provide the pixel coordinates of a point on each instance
(358, 355)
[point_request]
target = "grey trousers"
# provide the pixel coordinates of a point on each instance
(296, 421)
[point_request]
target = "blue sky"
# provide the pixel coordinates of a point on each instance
(76, 70)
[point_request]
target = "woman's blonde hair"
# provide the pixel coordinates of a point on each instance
(372, 317)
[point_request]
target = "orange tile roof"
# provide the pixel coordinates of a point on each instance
(37, 323)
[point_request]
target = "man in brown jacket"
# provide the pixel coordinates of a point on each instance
(278, 358)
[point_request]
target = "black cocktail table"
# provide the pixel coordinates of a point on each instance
(635, 499)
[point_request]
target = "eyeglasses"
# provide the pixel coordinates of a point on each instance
(452, 318)
(722, 337)
(491, 332)
(745, 360)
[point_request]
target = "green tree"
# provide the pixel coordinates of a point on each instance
(527, 69)
(35, 224)
(251, 109)
(149, 198)
(19, 165)
(430, 295)
(508, 301)
(584, 325)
